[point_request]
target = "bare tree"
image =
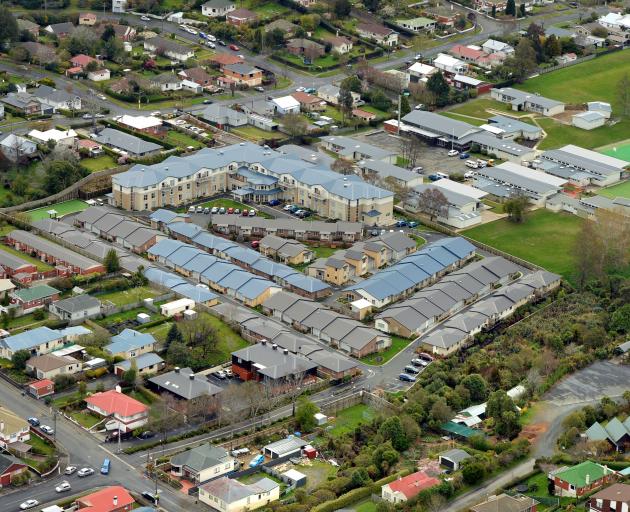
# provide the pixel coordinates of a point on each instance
(410, 149)
(294, 125)
(433, 202)
(402, 193)
(342, 166)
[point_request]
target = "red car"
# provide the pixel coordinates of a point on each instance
(234, 47)
(245, 213)
(230, 210)
(255, 244)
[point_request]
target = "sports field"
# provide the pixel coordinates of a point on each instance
(72, 206)
(621, 152)
(620, 190)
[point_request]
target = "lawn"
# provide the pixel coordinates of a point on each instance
(130, 296)
(382, 357)
(494, 206)
(545, 238)
(181, 140)
(256, 134)
(41, 266)
(619, 190)
(559, 134)
(622, 152)
(62, 401)
(23, 321)
(40, 446)
(317, 472)
(323, 251)
(478, 108)
(85, 419)
(229, 341)
(159, 332)
(379, 113)
(72, 206)
(469, 120)
(98, 163)
(349, 419)
(125, 316)
(365, 506)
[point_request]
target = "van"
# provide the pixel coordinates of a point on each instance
(105, 467)
(442, 175)
(472, 164)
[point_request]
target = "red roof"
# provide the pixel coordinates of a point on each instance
(74, 71)
(103, 500)
(225, 59)
(87, 143)
(467, 53)
(241, 14)
(114, 402)
(82, 60)
(304, 97)
(41, 384)
(411, 485)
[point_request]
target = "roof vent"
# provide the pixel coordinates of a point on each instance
(274, 346)
(177, 369)
(264, 342)
(191, 376)
(286, 352)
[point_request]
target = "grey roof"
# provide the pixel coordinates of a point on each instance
(142, 361)
(61, 28)
(202, 457)
(590, 116)
(52, 249)
(396, 241)
(50, 93)
(287, 445)
(301, 310)
(456, 455)
(523, 97)
(126, 142)
(242, 69)
(218, 4)
(506, 177)
(511, 125)
(92, 214)
(185, 384)
(230, 490)
(506, 146)
(386, 170)
(11, 261)
(272, 362)
(308, 154)
(444, 338)
(221, 114)
(438, 124)
(585, 160)
(167, 45)
(599, 106)
(166, 216)
(350, 146)
(78, 303)
(164, 79)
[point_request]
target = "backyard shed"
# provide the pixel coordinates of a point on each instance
(176, 307)
(294, 477)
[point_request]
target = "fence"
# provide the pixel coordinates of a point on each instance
(566, 64)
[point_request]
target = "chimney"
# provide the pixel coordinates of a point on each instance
(191, 376)
(115, 501)
(177, 369)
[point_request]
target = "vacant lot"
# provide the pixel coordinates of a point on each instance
(130, 296)
(559, 134)
(181, 140)
(620, 190)
(382, 357)
(62, 209)
(544, 238)
(350, 418)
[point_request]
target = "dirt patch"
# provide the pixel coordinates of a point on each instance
(534, 431)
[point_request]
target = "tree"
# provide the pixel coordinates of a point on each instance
(510, 8)
(500, 407)
(346, 101)
(342, 8)
(524, 61)
(522, 11)
(553, 46)
(402, 193)
(129, 377)
(516, 208)
(305, 415)
(392, 430)
(473, 472)
(19, 358)
(433, 202)
(111, 261)
(437, 85)
(380, 101)
(173, 335)
(82, 389)
(405, 108)
(352, 83)
(620, 319)
(460, 23)
(410, 150)
(294, 125)
(494, 11)
(9, 31)
(477, 387)
(623, 93)
(178, 354)
(343, 166)
(108, 33)
(61, 169)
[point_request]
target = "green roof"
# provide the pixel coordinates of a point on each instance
(35, 292)
(576, 475)
(460, 430)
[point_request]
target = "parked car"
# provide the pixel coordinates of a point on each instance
(419, 362)
(310, 90)
(214, 209)
(259, 88)
(208, 102)
(418, 56)
(234, 48)
(222, 43)
(149, 496)
(464, 155)
(301, 89)
(47, 430)
(211, 37)
(210, 44)
(469, 174)
(252, 213)
(257, 461)
(70, 470)
(63, 487)
(412, 224)
(245, 212)
(425, 356)
(199, 209)
(230, 211)
(191, 209)
(28, 504)
(417, 169)
(405, 377)
(34, 422)
(206, 211)
(420, 106)
(85, 472)
(254, 244)
(412, 369)
(287, 207)
(472, 164)
(145, 18)
(240, 451)
(374, 232)
(453, 152)
(401, 223)
(220, 374)
(274, 202)
(222, 210)
(434, 177)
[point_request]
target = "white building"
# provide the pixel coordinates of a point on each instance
(525, 101)
(217, 8)
(140, 123)
(588, 120)
(285, 105)
(15, 147)
(600, 107)
(494, 46)
(176, 307)
(450, 64)
(59, 137)
(230, 495)
(119, 5)
(99, 75)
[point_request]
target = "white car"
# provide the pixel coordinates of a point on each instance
(47, 430)
(472, 164)
(102, 97)
(85, 472)
(469, 175)
(453, 152)
(211, 38)
(29, 504)
(300, 89)
(145, 18)
(87, 116)
(210, 44)
(70, 470)
(63, 487)
(214, 209)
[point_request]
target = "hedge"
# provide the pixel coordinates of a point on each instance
(358, 494)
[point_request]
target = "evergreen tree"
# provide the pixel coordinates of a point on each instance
(522, 10)
(111, 261)
(174, 334)
(494, 11)
(510, 8)
(405, 108)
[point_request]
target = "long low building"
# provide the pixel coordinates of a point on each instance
(249, 259)
(349, 335)
(459, 331)
(509, 179)
(256, 328)
(218, 274)
(527, 101)
(126, 144)
(252, 173)
(52, 253)
(416, 271)
(439, 301)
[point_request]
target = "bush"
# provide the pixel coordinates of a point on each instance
(39, 315)
(95, 374)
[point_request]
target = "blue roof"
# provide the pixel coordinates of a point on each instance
(254, 288)
(430, 265)
(441, 255)
(306, 283)
(183, 255)
(256, 178)
(234, 280)
(243, 254)
(212, 242)
(165, 247)
(29, 339)
(187, 229)
(166, 216)
(77, 330)
(196, 293)
(459, 246)
(129, 340)
(142, 361)
(416, 274)
(162, 278)
(219, 270)
(200, 262)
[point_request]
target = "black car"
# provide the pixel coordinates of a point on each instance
(149, 496)
(34, 422)
(147, 434)
(208, 102)
(222, 43)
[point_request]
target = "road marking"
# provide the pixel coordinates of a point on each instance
(116, 457)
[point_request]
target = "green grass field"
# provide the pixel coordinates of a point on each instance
(559, 134)
(350, 418)
(545, 238)
(72, 206)
(256, 134)
(130, 296)
(229, 341)
(41, 266)
(382, 357)
(98, 163)
(323, 251)
(621, 152)
(469, 120)
(620, 190)
(159, 332)
(181, 140)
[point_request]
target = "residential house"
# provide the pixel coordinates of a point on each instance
(10, 468)
(198, 75)
(243, 74)
(229, 495)
(165, 82)
(379, 33)
(87, 18)
(99, 75)
(615, 498)
(419, 24)
(217, 8)
(25, 104)
(290, 252)
(40, 340)
(363, 115)
(58, 100)
(184, 384)
(92, 148)
(126, 144)
(222, 59)
(309, 103)
(119, 5)
(353, 149)
(76, 309)
(48, 366)
(41, 388)
(28, 26)
(202, 463)
(82, 60)
(109, 499)
(130, 343)
(330, 94)
(145, 364)
(224, 117)
(17, 148)
(520, 101)
(407, 487)
(450, 65)
(616, 432)
(35, 297)
(168, 48)
(507, 503)
(305, 47)
(581, 479)
(13, 428)
(340, 44)
(494, 46)
(60, 30)
(240, 17)
(146, 124)
(65, 138)
(128, 412)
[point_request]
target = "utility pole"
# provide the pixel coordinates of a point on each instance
(399, 109)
